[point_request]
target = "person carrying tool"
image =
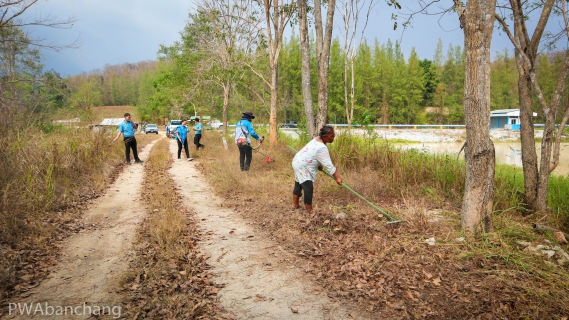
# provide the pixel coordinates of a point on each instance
(244, 128)
(127, 128)
(182, 139)
(306, 163)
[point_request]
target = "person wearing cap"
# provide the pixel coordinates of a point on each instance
(182, 139)
(198, 134)
(127, 128)
(243, 131)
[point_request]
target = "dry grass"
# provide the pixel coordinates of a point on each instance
(46, 180)
(168, 278)
(100, 113)
(393, 271)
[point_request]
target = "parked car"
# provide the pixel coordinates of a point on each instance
(171, 127)
(215, 124)
(291, 124)
(151, 128)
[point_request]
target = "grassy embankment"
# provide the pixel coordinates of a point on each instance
(47, 177)
(392, 270)
(168, 278)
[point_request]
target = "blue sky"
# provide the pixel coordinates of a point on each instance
(120, 31)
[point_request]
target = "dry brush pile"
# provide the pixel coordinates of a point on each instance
(393, 271)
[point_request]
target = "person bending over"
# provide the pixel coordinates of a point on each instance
(306, 163)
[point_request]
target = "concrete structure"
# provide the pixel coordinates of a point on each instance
(508, 119)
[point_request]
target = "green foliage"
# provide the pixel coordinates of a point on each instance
(504, 84)
(440, 175)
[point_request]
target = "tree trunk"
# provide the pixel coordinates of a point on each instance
(478, 23)
(543, 179)
(558, 135)
(527, 135)
(226, 95)
(352, 88)
(323, 56)
(305, 56)
(546, 166)
(274, 102)
(348, 118)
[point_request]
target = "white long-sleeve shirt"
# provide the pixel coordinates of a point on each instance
(307, 160)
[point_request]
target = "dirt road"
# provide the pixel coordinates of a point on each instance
(260, 278)
(92, 261)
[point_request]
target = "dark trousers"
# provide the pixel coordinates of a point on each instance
(308, 187)
(245, 155)
(197, 138)
(185, 145)
(130, 143)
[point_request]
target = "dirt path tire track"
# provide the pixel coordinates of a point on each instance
(259, 282)
(92, 261)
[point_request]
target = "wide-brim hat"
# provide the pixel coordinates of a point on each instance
(248, 115)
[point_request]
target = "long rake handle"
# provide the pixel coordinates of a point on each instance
(391, 218)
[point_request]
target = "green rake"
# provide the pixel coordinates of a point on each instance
(392, 220)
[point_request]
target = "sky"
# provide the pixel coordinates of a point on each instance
(120, 31)
(111, 31)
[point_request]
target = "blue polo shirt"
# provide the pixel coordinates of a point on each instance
(126, 129)
(198, 128)
(182, 131)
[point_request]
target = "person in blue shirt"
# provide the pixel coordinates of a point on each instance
(182, 139)
(127, 128)
(198, 134)
(244, 129)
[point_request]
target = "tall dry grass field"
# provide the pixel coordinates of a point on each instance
(45, 180)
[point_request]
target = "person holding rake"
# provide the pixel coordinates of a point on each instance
(306, 163)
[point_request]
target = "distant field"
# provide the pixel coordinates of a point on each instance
(100, 113)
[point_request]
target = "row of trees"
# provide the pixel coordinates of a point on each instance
(232, 56)
(389, 88)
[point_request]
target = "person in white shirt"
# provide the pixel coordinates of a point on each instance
(306, 163)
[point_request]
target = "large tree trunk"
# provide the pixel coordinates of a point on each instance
(478, 23)
(546, 166)
(323, 43)
(527, 135)
(305, 56)
(226, 95)
(274, 102)
(348, 118)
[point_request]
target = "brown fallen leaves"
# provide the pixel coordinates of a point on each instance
(389, 272)
(170, 277)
